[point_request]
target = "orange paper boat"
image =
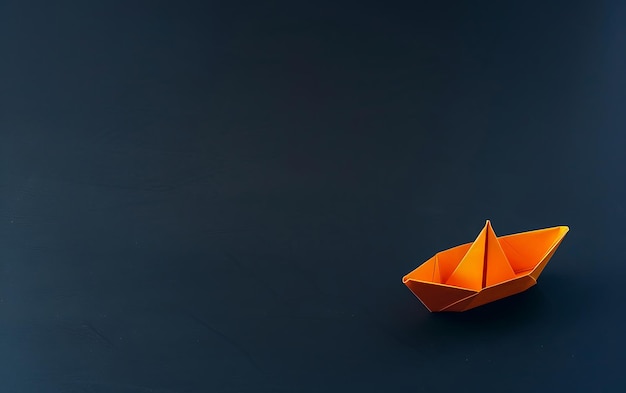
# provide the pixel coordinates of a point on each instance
(488, 269)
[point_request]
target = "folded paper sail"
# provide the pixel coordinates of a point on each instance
(488, 269)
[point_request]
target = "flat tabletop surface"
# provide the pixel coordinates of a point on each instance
(224, 196)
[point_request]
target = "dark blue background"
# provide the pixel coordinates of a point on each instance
(224, 196)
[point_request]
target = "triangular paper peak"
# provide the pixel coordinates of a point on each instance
(484, 264)
(469, 271)
(497, 267)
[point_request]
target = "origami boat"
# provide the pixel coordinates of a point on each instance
(486, 270)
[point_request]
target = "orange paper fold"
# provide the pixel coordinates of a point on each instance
(488, 269)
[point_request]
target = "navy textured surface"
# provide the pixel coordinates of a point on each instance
(224, 196)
